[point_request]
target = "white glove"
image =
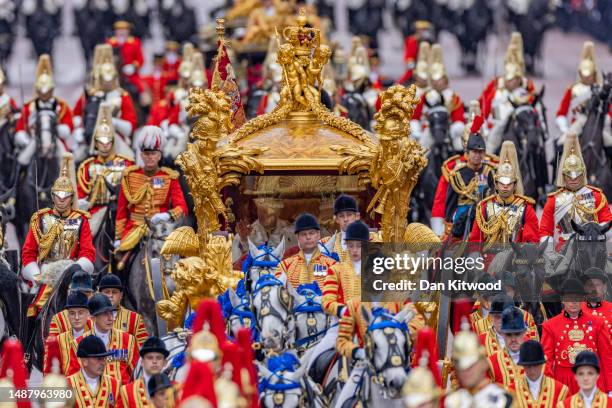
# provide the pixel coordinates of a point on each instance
(562, 124)
(160, 217)
(116, 243)
(77, 121)
(122, 126)
(86, 265)
(83, 204)
(79, 135)
(128, 69)
(437, 225)
(63, 131)
(30, 271)
(415, 129)
(360, 354)
(22, 139)
(456, 134)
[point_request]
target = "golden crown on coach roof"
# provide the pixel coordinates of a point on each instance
(303, 38)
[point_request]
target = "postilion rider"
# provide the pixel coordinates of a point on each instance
(55, 234)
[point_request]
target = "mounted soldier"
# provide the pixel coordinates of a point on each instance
(58, 233)
(469, 183)
(104, 88)
(131, 59)
(508, 215)
(424, 33)
(575, 200)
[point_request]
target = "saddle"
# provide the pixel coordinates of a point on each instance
(322, 363)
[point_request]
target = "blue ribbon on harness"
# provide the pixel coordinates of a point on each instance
(309, 291)
(333, 255)
(266, 280)
(388, 320)
(284, 362)
(179, 360)
(257, 261)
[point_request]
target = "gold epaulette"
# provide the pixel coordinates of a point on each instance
(173, 174)
(130, 169)
(554, 193)
(39, 213)
(526, 198)
(599, 190)
(458, 167)
(445, 169)
(85, 214)
(492, 158)
(122, 157)
(85, 186)
(130, 39)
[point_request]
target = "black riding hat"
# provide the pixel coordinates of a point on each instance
(158, 382)
(476, 142)
(572, 286)
(81, 280)
(306, 221)
(92, 346)
(110, 281)
(500, 303)
(345, 203)
(513, 321)
(586, 358)
(76, 300)
(531, 353)
(594, 273)
(357, 231)
(99, 303)
(154, 345)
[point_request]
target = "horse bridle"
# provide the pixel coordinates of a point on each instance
(309, 307)
(263, 285)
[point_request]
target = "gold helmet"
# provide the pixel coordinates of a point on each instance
(508, 170)
(572, 163)
(44, 75)
(587, 66)
(467, 349)
(104, 69)
(185, 67)
(204, 346)
(420, 388)
(421, 69)
(437, 70)
(514, 63)
(198, 74)
(473, 111)
(65, 184)
(104, 132)
(358, 63)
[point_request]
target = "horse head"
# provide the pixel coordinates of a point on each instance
(528, 266)
(281, 380)
(311, 322)
(271, 302)
(387, 346)
(159, 231)
(262, 260)
(438, 118)
(46, 121)
(591, 243)
(237, 312)
(527, 127)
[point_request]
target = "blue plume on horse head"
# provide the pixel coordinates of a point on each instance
(309, 289)
(286, 361)
(387, 320)
(189, 321)
(265, 259)
(327, 249)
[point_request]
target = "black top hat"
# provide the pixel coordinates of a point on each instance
(154, 345)
(306, 221)
(81, 280)
(513, 321)
(345, 203)
(76, 300)
(99, 303)
(572, 287)
(500, 303)
(594, 273)
(586, 358)
(475, 142)
(531, 353)
(92, 346)
(357, 231)
(110, 281)
(158, 382)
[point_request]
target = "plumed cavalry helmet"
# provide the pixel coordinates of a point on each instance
(103, 68)
(65, 184)
(475, 140)
(437, 70)
(514, 63)
(152, 139)
(572, 163)
(473, 111)
(198, 73)
(44, 75)
(587, 65)
(421, 69)
(104, 132)
(186, 66)
(508, 170)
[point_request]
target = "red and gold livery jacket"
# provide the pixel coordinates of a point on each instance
(105, 397)
(498, 85)
(552, 392)
(119, 99)
(602, 309)
(587, 204)
(575, 97)
(600, 400)
(131, 322)
(298, 272)
(143, 196)
(61, 324)
(170, 69)
(68, 348)
(341, 285)
(59, 106)
(499, 220)
(481, 325)
(121, 364)
(52, 237)
(343, 253)
(490, 342)
(131, 53)
(352, 326)
(156, 85)
(96, 175)
(563, 338)
(503, 370)
(134, 395)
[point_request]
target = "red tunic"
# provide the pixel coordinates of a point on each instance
(127, 111)
(503, 370)
(563, 338)
(61, 324)
(566, 103)
(602, 309)
(551, 393)
(159, 112)
(455, 107)
(170, 70)
(156, 85)
(440, 196)
(600, 400)
(166, 196)
(411, 51)
(487, 96)
(62, 110)
(527, 227)
(134, 395)
(105, 397)
(83, 247)
(131, 53)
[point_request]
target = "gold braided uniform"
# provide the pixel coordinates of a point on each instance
(341, 285)
(106, 395)
(96, 175)
(298, 272)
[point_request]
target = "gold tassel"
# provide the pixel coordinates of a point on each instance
(133, 238)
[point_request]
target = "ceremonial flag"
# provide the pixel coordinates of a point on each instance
(224, 79)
